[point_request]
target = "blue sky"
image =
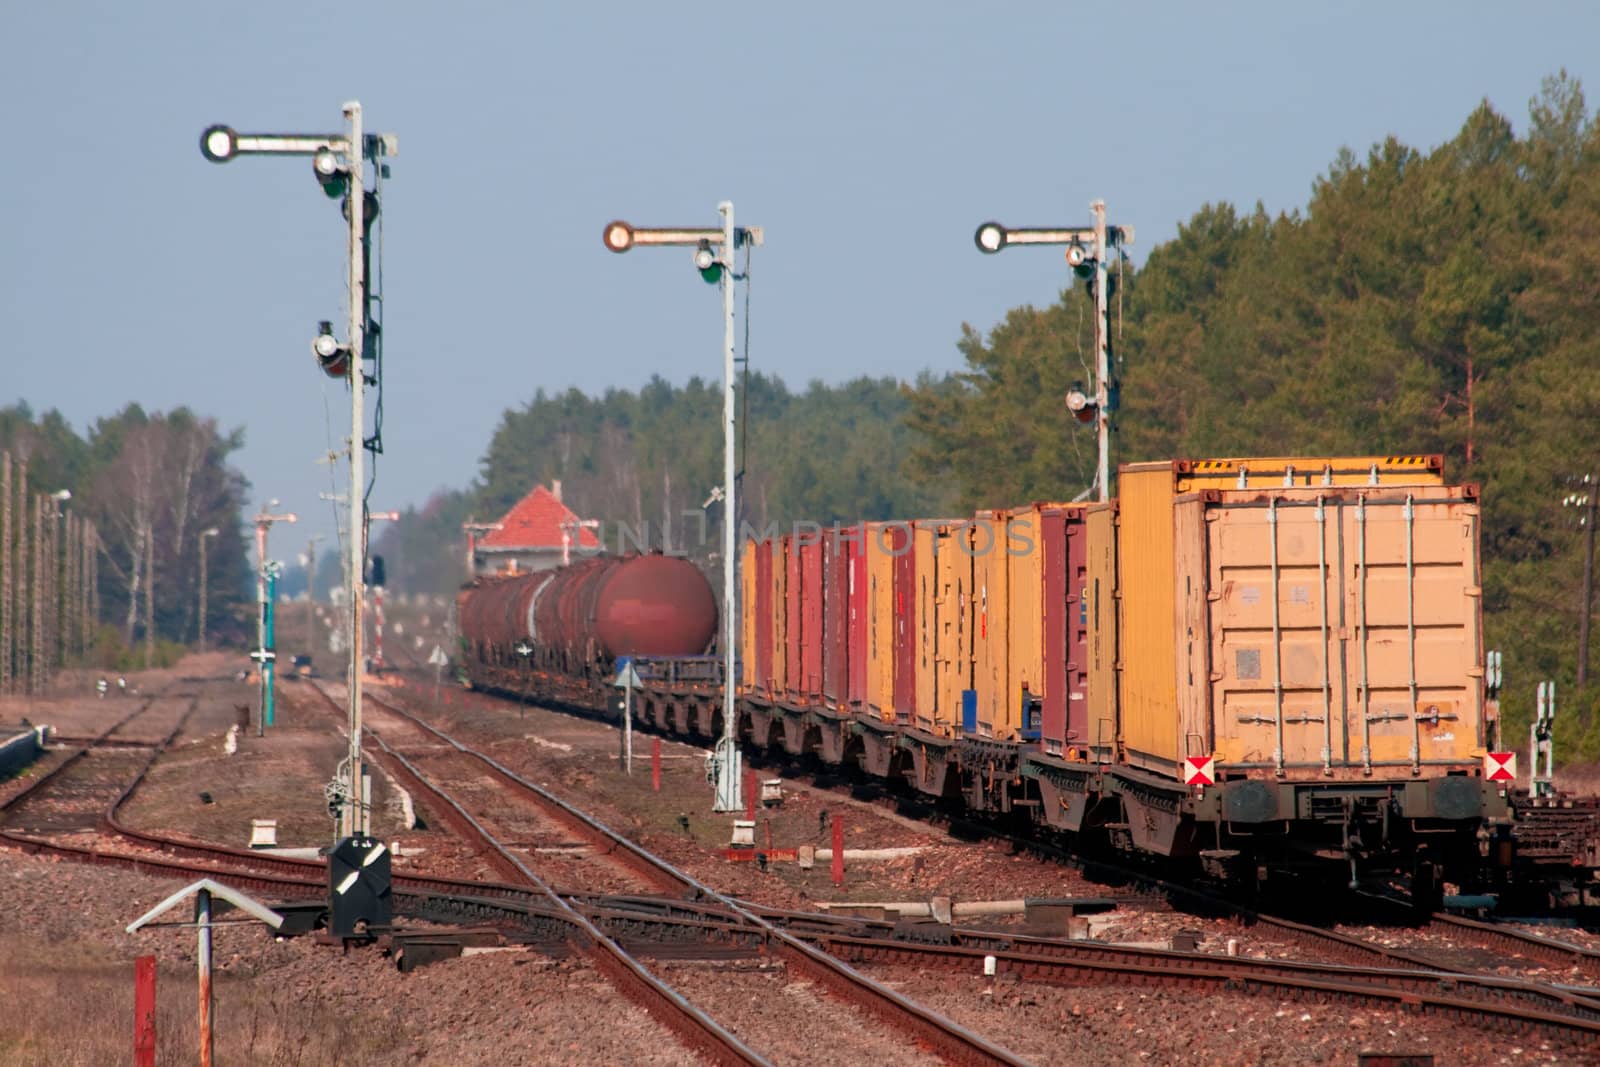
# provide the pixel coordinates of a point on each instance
(869, 140)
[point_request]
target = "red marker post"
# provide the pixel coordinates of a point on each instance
(838, 850)
(144, 1011)
(655, 764)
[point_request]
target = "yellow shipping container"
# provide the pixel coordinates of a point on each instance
(954, 626)
(1331, 632)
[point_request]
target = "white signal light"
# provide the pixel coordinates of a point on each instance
(990, 238)
(326, 164)
(704, 258)
(332, 357)
(1082, 408)
(618, 236)
(1076, 254)
(219, 143)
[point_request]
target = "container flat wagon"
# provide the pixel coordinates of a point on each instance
(1245, 665)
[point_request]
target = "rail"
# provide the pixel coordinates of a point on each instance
(944, 1037)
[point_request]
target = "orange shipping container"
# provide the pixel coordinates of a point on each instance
(1300, 472)
(925, 543)
(991, 659)
(778, 609)
(1103, 597)
(881, 541)
(747, 616)
(1025, 606)
(953, 626)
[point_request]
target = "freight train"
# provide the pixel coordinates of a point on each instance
(1248, 666)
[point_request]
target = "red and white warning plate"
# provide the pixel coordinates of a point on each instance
(1199, 770)
(1500, 766)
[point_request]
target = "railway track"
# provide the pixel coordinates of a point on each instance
(80, 786)
(1509, 943)
(927, 1029)
(1509, 940)
(700, 925)
(1375, 974)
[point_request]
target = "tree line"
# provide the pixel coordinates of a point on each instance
(103, 533)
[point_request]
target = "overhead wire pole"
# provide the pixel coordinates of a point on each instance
(1089, 255)
(337, 159)
(36, 629)
(19, 615)
(204, 535)
(7, 569)
(311, 594)
(60, 583)
(718, 267)
(93, 601)
(91, 588)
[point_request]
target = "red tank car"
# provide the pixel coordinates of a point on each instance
(594, 611)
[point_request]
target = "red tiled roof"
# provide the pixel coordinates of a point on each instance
(535, 522)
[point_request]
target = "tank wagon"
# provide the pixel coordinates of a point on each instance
(557, 634)
(1246, 665)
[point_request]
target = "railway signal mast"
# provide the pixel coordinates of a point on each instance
(714, 254)
(337, 162)
(264, 643)
(1089, 253)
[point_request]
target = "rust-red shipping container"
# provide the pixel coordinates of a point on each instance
(905, 621)
(1064, 711)
(763, 607)
(857, 636)
(835, 620)
(794, 593)
(809, 548)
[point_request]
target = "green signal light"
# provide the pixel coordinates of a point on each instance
(336, 187)
(712, 274)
